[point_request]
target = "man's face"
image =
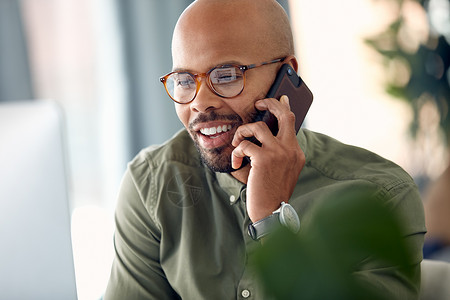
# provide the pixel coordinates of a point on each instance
(211, 120)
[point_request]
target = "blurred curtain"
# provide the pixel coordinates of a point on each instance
(147, 32)
(147, 27)
(15, 79)
(285, 4)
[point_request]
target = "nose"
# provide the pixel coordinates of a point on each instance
(206, 99)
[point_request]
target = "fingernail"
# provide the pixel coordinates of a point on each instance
(284, 99)
(261, 104)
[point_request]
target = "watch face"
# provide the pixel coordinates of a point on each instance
(289, 218)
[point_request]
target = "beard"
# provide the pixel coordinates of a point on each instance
(219, 159)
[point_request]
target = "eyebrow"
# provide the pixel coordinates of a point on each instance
(231, 62)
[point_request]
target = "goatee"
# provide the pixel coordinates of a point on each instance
(218, 159)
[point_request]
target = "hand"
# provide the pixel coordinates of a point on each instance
(275, 165)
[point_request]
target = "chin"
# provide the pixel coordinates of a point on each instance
(218, 160)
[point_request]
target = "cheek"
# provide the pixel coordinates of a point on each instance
(247, 108)
(183, 113)
(260, 83)
(248, 113)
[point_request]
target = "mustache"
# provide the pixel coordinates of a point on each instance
(213, 116)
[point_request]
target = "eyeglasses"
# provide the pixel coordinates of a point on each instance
(226, 81)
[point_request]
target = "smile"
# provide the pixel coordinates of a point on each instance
(215, 130)
(214, 136)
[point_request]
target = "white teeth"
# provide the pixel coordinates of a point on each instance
(214, 130)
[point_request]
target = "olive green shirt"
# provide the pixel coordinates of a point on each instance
(181, 229)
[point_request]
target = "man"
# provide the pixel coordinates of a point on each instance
(185, 207)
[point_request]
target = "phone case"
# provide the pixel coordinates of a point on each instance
(288, 83)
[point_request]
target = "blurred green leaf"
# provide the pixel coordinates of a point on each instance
(319, 262)
(429, 65)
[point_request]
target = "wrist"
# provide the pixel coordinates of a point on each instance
(284, 216)
(260, 215)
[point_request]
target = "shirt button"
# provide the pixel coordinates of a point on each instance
(232, 199)
(245, 293)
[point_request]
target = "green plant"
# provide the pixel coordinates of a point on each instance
(320, 262)
(418, 59)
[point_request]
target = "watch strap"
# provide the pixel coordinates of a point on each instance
(264, 226)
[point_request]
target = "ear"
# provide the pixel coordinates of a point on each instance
(291, 60)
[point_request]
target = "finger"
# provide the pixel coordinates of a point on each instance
(263, 104)
(281, 110)
(285, 100)
(259, 130)
(245, 148)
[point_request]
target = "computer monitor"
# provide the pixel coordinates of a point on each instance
(36, 259)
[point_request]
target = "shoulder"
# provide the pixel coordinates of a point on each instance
(179, 149)
(340, 161)
(333, 167)
(159, 176)
(156, 167)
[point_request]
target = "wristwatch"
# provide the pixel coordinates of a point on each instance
(285, 216)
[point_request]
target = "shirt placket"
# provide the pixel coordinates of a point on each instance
(248, 287)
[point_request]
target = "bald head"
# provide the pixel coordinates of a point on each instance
(236, 28)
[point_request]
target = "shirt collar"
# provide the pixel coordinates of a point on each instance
(234, 187)
(301, 139)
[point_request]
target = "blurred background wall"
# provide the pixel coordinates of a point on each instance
(101, 60)
(15, 79)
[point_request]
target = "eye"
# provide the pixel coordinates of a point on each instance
(225, 75)
(183, 80)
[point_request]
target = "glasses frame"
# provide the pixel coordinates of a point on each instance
(197, 77)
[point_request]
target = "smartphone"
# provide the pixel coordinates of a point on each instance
(288, 83)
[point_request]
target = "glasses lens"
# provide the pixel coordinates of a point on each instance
(181, 87)
(228, 81)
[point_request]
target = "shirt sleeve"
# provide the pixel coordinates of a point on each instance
(136, 271)
(404, 199)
